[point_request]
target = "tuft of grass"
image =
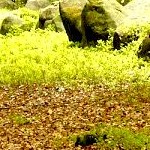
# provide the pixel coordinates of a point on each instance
(19, 119)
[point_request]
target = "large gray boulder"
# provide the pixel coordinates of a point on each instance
(70, 12)
(51, 16)
(137, 12)
(8, 4)
(98, 18)
(137, 15)
(37, 4)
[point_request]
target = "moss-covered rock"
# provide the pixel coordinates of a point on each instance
(8, 4)
(20, 3)
(7, 20)
(144, 49)
(98, 17)
(70, 12)
(18, 21)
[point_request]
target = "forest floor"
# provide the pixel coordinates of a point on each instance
(42, 117)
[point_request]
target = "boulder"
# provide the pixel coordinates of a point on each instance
(18, 20)
(70, 12)
(8, 4)
(137, 15)
(37, 4)
(7, 20)
(51, 15)
(144, 49)
(98, 17)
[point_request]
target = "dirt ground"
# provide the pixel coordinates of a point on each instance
(42, 117)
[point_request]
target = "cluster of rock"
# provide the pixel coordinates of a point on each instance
(48, 14)
(87, 21)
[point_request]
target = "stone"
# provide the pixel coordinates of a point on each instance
(98, 18)
(37, 4)
(7, 20)
(20, 3)
(51, 16)
(137, 15)
(8, 4)
(144, 48)
(70, 12)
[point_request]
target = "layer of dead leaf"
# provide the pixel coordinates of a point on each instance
(55, 112)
